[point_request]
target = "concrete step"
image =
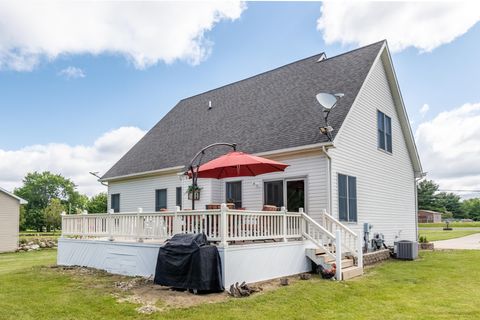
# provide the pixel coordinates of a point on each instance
(351, 272)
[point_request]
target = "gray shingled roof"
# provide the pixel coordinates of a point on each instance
(270, 111)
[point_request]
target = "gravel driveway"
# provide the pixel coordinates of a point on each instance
(469, 242)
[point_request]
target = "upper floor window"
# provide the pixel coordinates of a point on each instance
(384, 124)
(115, 202)
(160, 199)
(347, 198)
(234, 193)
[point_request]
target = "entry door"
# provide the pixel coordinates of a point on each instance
(295, 194)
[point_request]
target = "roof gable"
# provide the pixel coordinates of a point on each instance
(22, 201)
(270, 111)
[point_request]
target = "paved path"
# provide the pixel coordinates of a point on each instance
(454, 228)
(469, 242)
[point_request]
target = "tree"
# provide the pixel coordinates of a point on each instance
(39, 189)
(426, 196)
(450, 202)
(52, 213)
(97, 203)
(471, 207)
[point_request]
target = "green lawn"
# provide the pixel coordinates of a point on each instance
(475, 224)
(440, 285)
(32, 235)
(435, 235)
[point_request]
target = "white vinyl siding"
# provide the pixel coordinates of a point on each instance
(9, 221)
(385, 181)
(312, 167)
(140, 193)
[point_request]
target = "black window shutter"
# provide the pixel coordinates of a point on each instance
(342, 198)
(352, 199)
(381, 129)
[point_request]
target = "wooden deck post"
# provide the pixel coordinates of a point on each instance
(63, 223)
(284, 224)
(84, 224)
(359, 250)
(176, 222)
(139, 225)
(110, 225)
(223, 225)
(338, 254)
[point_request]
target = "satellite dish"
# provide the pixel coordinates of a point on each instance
(328, 100)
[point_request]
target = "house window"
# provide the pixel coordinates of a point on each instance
(179, 197)
(115, 202)
(384, 124)
(347, 198)
(160, 199)
(234, 193)
(273, 193)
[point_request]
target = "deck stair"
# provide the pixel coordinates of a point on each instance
(319, 257)
(334, 243)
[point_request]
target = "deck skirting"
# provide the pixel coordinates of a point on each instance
(249, 262)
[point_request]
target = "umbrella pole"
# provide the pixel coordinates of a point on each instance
(195, 174)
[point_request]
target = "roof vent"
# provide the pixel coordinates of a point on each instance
(209, 104)
(322, 57)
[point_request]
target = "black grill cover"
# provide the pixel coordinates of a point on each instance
(187, 261)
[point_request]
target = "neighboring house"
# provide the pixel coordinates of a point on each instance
(367, 173)
(428, 216)
(9, 220)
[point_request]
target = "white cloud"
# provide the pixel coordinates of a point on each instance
(449, 146)
(423, 25)
(74, 162)
(72, 73)
(424, 109)
(145, 33)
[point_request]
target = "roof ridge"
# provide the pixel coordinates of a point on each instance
(280, 67)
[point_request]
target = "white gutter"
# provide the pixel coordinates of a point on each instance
(182, 168)
(145, 173)
(294, 149)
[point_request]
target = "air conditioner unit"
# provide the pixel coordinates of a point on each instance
(405, 249)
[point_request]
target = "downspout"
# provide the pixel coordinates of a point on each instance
(416, 179)
(329, 178)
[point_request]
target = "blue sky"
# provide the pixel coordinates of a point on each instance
(42, 105)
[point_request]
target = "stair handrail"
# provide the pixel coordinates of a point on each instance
(340, 226)
(330, 251)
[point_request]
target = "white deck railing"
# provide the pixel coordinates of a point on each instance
(222, 225)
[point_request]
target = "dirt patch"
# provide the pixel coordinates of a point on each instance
(151, 297)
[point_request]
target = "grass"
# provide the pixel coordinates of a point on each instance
(435, 235)
(474, 224)
(31, 235)
(440, 285)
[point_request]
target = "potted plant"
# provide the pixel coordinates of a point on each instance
(195, 191)
(424, 244)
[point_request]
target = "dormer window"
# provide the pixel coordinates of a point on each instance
(384, 124)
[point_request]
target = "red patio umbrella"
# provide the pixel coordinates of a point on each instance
(238, 164)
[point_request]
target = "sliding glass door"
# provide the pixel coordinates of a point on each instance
(295, 195)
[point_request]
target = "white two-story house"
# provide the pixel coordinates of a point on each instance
(366, 172)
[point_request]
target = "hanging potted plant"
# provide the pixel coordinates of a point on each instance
(195, 191)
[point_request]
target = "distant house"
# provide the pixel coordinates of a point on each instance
(428, 216)
(9, 220)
